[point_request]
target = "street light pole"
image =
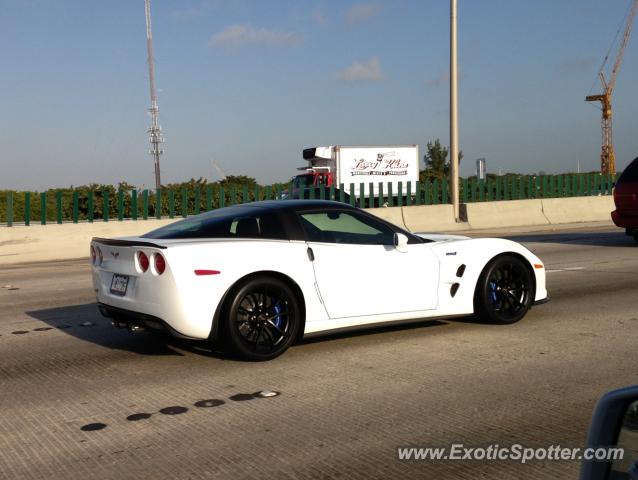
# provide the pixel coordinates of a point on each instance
(454, 121)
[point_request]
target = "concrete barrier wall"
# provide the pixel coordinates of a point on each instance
(510, 213)
(578, 209)
(390, 214)
(422, 218)
(61, 242)
(431, 218)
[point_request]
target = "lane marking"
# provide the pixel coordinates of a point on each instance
(566, 269)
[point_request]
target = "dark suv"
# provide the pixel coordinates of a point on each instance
(626, 200)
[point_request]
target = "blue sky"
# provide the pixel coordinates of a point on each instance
(251, 83)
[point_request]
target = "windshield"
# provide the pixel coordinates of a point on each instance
(230, 222)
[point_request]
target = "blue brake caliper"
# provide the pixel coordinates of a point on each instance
(277, 319)
(493, 296)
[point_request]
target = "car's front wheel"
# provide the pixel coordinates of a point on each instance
(263, 319)
(505, 291)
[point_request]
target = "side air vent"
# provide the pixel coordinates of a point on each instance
(460, 271)
(454, 289)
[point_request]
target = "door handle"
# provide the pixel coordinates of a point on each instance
(311, 254)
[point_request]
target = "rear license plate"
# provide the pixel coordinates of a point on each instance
(119, 284)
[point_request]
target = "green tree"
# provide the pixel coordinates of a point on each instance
(436, 161)
(238, 181)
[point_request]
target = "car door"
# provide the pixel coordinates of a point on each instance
(359, 271)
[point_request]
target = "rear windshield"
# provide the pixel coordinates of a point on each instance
(230, 222)
(631, 172)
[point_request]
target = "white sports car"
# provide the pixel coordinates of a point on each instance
(259, 276)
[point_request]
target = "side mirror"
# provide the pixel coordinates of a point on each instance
(614, 427)
(400, 242)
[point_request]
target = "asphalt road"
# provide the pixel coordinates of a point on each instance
(344, 403)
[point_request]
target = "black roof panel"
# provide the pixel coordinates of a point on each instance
(294, 204)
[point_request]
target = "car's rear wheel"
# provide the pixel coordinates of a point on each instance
(505, 291)
(263, 319)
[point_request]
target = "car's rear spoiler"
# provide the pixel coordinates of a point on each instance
(126, 243)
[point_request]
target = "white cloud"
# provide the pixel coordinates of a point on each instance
(360, 12)
(245, 34)
(368, 71)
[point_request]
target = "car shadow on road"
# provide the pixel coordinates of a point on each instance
(362, 332)
(599, 239)
(86, 323)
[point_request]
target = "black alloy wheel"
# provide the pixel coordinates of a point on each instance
(505, 290)
(263, 319)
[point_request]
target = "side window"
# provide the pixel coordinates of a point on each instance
(229, 222)
(266, 226)
(338, 226)
(246, 227)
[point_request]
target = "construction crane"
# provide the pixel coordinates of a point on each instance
(607, 155)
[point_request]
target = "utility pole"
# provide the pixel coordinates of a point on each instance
(155, 132)
(454, 111)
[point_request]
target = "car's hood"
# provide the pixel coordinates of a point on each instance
(441, 237)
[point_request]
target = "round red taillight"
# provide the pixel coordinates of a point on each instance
(93, 255)
(142, 260)
(160, 263)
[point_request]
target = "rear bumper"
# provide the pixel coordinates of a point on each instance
(136, 319)
(541, 301)
(185, 305)
(625, 219)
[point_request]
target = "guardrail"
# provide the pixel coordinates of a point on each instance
(66, 206)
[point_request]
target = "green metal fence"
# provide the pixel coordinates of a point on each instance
(61, 206)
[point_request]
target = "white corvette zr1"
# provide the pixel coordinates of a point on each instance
(259, 276)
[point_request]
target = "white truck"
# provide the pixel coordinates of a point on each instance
(345, 165)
